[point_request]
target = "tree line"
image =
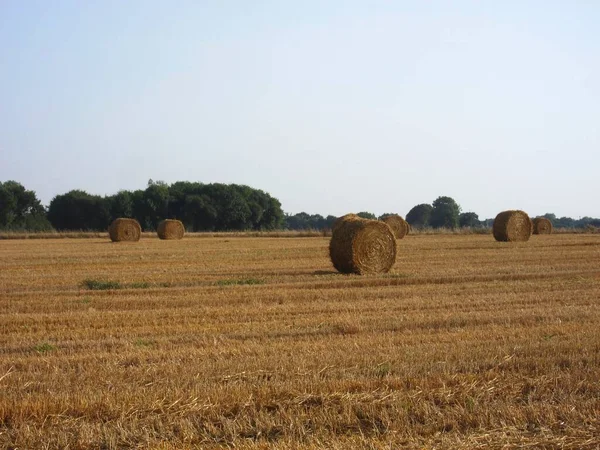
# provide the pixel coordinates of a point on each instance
(207, 207)
(201, 207)
(443, 212)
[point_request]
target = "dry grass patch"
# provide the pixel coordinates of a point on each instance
(465, 344)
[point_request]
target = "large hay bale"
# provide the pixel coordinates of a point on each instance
(398, 225)
(512, 226)
(170, 229)
(541, 225)
(362, 246)
(339, 220)
(125, 230)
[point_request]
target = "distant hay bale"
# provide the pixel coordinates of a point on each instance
(362, 246)
(339, 220)
(512, 226)
(170, 229)
(541, 225)
(398, 225)
(125, 230)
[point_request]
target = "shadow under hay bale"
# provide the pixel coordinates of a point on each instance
(512, 226)
(362, 246)
(398, 225)
(541, 225)
(170, 229)
(125, 230)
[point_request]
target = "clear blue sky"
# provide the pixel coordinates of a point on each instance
(331, 107)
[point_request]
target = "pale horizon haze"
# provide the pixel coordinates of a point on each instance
(331, 107)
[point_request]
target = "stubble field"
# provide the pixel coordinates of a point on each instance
(256, 343)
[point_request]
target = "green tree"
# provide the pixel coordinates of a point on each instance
(120, 205)
(235, 212)
(419, 215)
(469, 219)
(329, 221)
(78, 210)
(304, 221)
(367, 215)
(199, 213)
(156, 197)
(8, 207)
(445, 213)
(566, 222)
(20, 209)
(201, 207)
(272, 216)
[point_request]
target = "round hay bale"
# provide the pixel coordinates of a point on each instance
(362, 246)
(339, 220)
(170, 229)
(512, 226)
(541, 225)
(398, 225)
(124, 230)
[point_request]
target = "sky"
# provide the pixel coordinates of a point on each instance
(331, 107)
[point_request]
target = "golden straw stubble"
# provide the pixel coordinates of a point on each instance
(124, 229)
(512, 226)
(362, 246)
(398, 225)
(170, 229)
(541, 225)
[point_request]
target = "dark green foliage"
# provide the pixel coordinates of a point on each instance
(199, 213)
(367, 215)
(223, 207)
(156, 198)
(445, 213)
(469, 219)
(20, 209)
(304, 221)
(78, 210)
(201, 207)
(567, 222)
(419, 215)
(205, 207)
(120, 205)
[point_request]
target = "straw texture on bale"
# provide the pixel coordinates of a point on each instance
(541, 225)
(170, 229)
(339, 220)
(512, 226)
(398, 225)
(362, 246)
(124, 230)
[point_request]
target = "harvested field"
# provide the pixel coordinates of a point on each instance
(259, 343)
